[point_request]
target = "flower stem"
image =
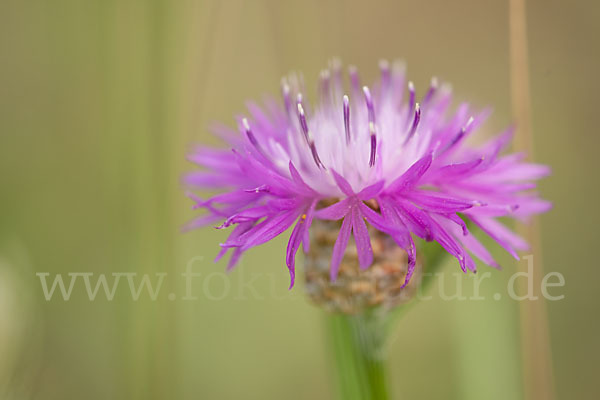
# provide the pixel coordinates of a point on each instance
(358, 346)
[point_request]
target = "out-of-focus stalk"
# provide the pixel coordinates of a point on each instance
(535, 342)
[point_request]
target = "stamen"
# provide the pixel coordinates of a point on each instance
(299, 102)
(373, 144)
(415, 123)
(252, 138)
(432, 89)
(325, 85)
(249, 133)
(354, 78)
(372, 128)
(313, 150)
(287, 100)
(369, 101)
(302, 120)
(308, 136)
(463, 131)
(299, 98)
(411, 99)
(336, 67)
(384, 67)
(347, 118)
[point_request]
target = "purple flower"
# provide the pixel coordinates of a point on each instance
(375, 156)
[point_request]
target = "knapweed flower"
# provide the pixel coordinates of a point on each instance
(406, 164)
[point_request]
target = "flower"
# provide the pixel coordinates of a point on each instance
(408, 168)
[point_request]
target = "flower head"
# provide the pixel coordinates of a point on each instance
(379, 155)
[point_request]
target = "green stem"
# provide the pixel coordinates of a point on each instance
(359, 341)
(358, 346)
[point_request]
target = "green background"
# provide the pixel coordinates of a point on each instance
(101, 100)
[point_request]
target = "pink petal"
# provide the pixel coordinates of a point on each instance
(299, 181)
(501, 234)
(412, 175)
(438, 203)
(371, 191)
(339, 248)
(292, 248)
(335, 211)
(342, 184)
(268, 229)
(309, 218)
(362, 239)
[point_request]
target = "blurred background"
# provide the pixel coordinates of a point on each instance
(101, 100)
